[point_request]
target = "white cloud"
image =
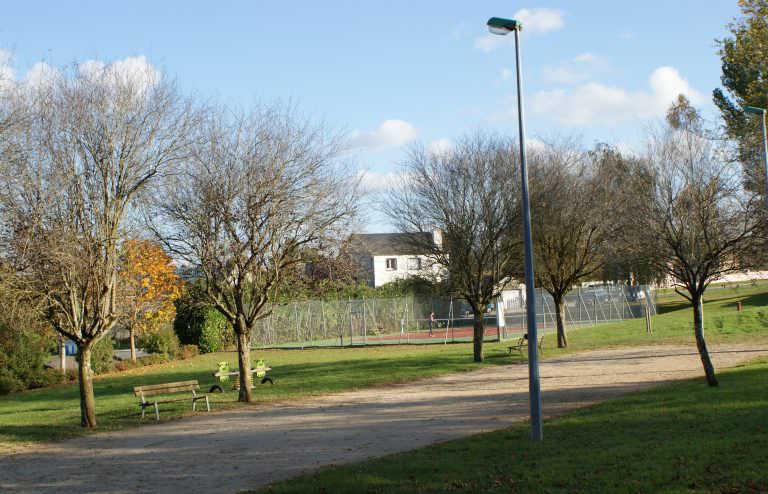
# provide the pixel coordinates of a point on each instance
(540, 20)
(6, 57)
(91, 68)
(391, 133)
(507, 74)
(587, 58)
(627, 149)
(439, 146)
(41, 74)
(534, 144)
(574, 71)
(130, 71)
(563, 74)
(7, 72)
(535, 21)
(372, 181)
(595, 104)
(134, 70)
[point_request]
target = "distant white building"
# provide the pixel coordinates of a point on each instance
(386, 257)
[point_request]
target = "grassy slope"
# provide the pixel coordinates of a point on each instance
(683, 437)
(51, 414)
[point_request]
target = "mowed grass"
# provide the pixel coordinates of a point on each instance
(53, 414)
(679, 438)
(674, 324)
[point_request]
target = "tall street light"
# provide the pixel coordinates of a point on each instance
(761, 111)
(497, 25)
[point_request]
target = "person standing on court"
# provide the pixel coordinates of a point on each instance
(431, 322)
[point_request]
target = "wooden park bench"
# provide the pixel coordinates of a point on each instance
(523, 343)
(168, 389)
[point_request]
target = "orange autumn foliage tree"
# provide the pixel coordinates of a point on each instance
(149, 286)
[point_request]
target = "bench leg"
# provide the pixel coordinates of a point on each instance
(207, 404)
(194, 402)
(157, 412)
(143, 411)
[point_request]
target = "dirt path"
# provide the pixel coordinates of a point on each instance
(230, 451)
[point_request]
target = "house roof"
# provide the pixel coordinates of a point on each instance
(392, 244)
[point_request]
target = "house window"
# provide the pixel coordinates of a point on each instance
(392, 263)
(414, 263)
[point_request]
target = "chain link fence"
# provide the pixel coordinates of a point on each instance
(424, 320)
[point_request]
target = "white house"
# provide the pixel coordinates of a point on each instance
(385, 257)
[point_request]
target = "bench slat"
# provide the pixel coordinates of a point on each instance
(165, 385)
(156, 389)
(167, 391)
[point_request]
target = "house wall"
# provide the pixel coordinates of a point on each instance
(382, 275)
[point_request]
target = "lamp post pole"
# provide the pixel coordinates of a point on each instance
(761, 111)
(765, 154)
(504, 26)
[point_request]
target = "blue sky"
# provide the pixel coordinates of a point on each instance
(391, 73)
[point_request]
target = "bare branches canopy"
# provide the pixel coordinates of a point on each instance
(692, 218)
(571, 220)
(91, 139)
(469, 194)
(260, 187)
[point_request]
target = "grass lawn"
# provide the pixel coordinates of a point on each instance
(53, 413)
(683, 437)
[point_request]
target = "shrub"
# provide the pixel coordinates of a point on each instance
(43, 378)
(103, 355)
(71, 376)
(9, 383)
(24, 349)
(202, 326)
(124, 365)
(188, 351)
(161, 342)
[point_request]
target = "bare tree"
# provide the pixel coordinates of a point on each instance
(261, 188)
(470, 195)
(692, 219)
(93, 137)
(570, 221)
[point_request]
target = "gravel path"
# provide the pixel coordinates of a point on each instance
(247, 448)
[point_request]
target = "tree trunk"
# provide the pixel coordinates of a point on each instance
(698, 329)
(562, 338)
(62, 355)
(479, 332)
(244, 361)
(87, 402)
(132, 338)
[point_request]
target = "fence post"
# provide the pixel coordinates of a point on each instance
(351, 323)
(499, 316)
(648, 327)
(296, 315)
